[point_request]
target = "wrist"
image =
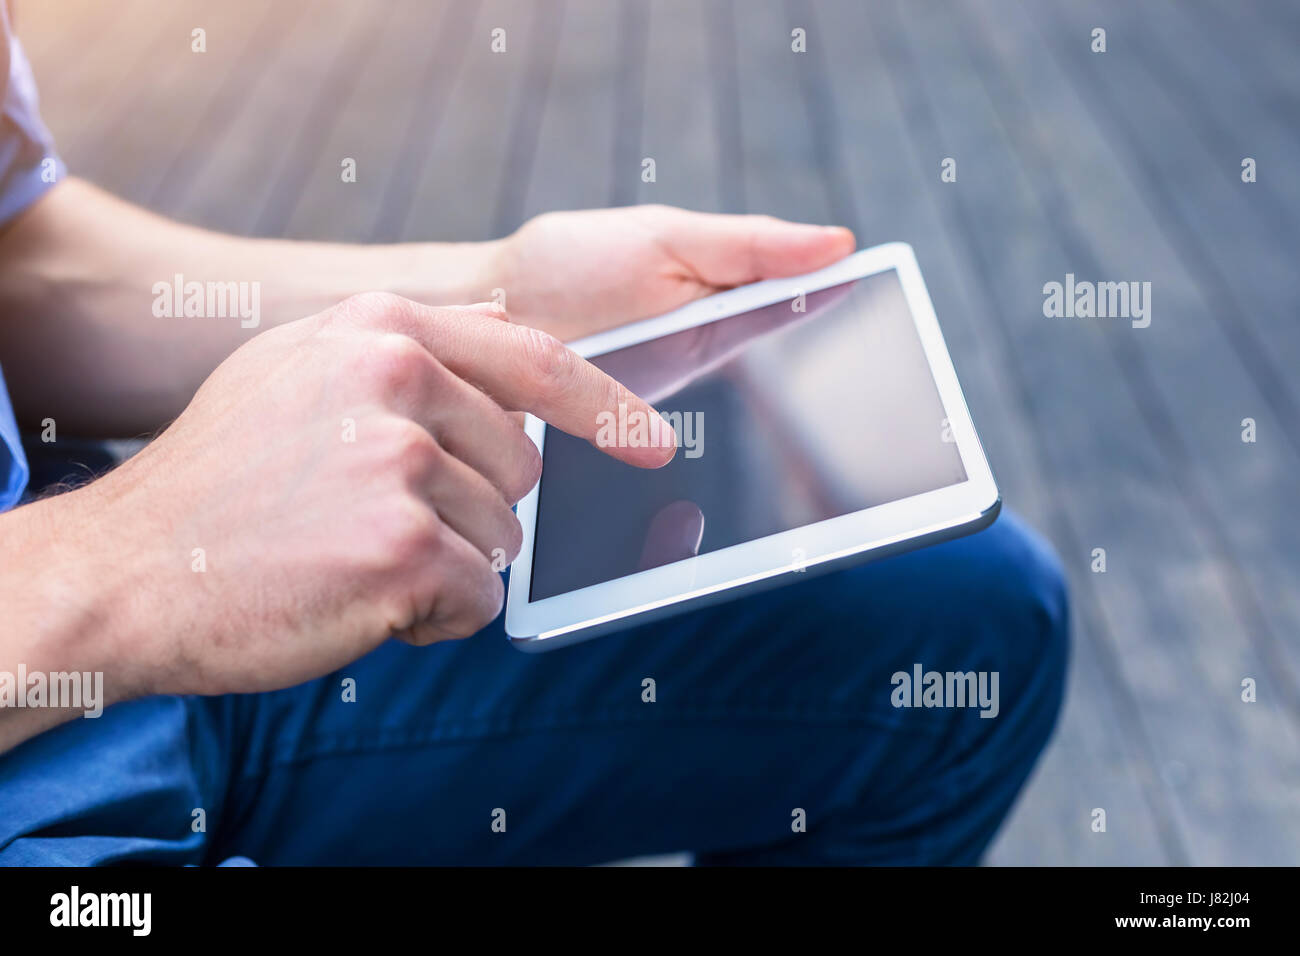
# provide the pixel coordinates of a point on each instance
(448, 273)
(68, 597)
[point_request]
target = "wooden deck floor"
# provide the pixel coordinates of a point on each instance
(1123, 165)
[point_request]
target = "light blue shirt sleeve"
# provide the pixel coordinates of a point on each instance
(13, 463)
(28, 167)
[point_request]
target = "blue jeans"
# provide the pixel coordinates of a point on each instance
(763, 708)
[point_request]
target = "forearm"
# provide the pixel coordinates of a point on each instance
(83, 276)
(66, 607)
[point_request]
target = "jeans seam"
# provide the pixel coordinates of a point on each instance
(453, 732)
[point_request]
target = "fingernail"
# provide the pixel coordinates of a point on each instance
(667, 436)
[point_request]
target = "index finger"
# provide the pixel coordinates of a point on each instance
(529, 370)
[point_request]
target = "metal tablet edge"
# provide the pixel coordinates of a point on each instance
(548, 641)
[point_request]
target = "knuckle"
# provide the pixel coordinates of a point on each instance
(527, 472)
(482, 599)
(423, 530)
(393, 365)
(323, 321)
(454, 631)
(493, 310)
(361, 312)
(513, 535)
(419, 534)
(371, 306)
(404, 536)
(493, 598)
(411, 447)
(418, 635)
(550, 362)
(428, 534)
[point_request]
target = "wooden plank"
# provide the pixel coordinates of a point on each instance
(86, 96)
(899, 195)
(525, 119)
(725, 81)
(1187, 140)
(244, 164)
(305, 151)
(45, 28)
(681, 110)
(1090, 762)
(817, 91)
(439, 78)
(1208, 62)
(1238, 339)
(1264, 32)
(679, 113)
(1259, 551)
(384, 122)
(1170, 600)
(963, 104)
(781, 172)
(49, 32)
(457, 190)
(572, 162)
(629, 97)
(962, 126)
(164, 123)
(249, 57)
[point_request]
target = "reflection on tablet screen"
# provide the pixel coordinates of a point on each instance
(785, 417)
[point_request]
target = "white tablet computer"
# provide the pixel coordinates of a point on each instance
(819, 424)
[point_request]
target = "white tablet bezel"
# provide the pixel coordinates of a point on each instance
(562, 618)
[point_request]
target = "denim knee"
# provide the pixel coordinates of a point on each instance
(1025, 573)
(995, 602)
(1012, 580)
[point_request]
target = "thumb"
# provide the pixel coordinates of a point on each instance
(727, 250)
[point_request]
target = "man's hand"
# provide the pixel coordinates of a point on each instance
(92, 354)
(336, 480)
(575, 273)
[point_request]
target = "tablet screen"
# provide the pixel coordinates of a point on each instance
(794, 413)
